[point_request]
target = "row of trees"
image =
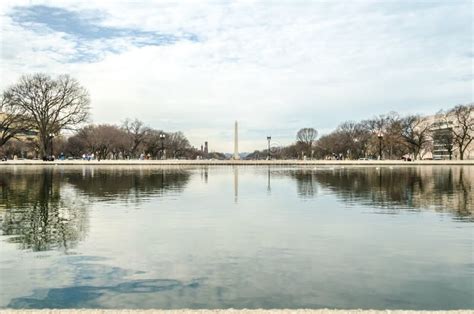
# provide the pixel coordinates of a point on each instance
(129, 140)
(389, 136)
(36, 111)
(49, 106)
(392, 136)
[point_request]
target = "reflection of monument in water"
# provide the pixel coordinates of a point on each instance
(236, 184)
(236, 157)
(235, 170)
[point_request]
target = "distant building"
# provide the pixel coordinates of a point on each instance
(443, 146)
(442, 135)
(28, 137)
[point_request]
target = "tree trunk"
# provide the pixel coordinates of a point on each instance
(461, 153)
(43, 147)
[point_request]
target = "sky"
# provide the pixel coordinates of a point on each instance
(275, 66)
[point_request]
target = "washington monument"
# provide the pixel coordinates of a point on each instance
(236, 142)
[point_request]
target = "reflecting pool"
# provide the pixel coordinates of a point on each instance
(237, 236)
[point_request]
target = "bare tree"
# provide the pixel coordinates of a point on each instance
(105, 140)
(12, 122)
(76, 145)
(19, 148)
(49, 104)
(109, 140)
(153, 142)
(353, 137)
(306, 137)
(331, 144)
(137, 132)
(415, 130)
(176, 144)
(461, 119)
(388, 127)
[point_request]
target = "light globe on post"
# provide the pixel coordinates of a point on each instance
(380, 136)
(51, 137)
(162, 139)
(356, 142)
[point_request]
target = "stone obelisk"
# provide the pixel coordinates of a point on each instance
(236, 142)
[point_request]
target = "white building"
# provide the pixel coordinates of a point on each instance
(444, 146)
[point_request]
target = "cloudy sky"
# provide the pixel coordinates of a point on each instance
(275, 66)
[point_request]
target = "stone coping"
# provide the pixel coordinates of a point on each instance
(234, 311)
(243, 162)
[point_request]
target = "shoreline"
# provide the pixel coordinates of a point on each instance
(171, 162)
(235, 311)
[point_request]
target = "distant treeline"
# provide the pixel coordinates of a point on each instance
(37, 110)
(130, 140)
(388, 136)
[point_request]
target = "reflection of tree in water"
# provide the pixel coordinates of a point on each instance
(455, 189)
(40, 212)
(128, 184)
(443, 188)
(306, 183)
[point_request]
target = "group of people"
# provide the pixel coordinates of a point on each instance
(88, 156)
(92, 156)
(145, 157)
(52, 157)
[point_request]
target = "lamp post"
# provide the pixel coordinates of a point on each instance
(355, 148)
(380, 136)
(51, 136)
(162, 139)
(269, 138)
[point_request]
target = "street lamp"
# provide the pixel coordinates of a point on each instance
(51, 136)
(356, 149)
(269, 138)
(162, 138)
(380, 136)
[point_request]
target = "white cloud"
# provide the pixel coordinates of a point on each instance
(275, 67)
